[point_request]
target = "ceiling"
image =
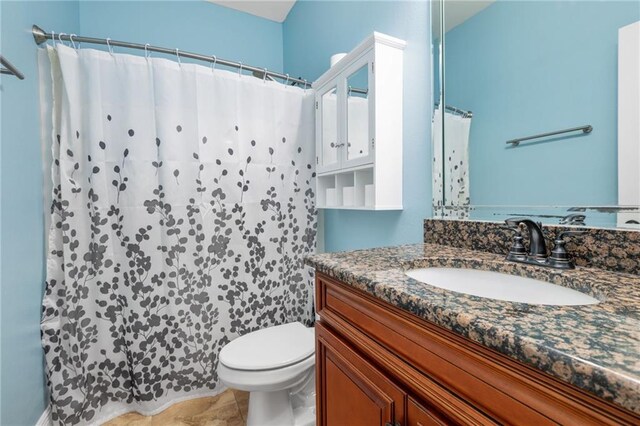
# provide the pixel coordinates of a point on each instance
(275, 10)
(456, 12)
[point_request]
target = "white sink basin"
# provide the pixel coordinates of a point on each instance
(494, 285)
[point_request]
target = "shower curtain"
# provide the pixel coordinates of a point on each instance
(451, 165)
(182, 205)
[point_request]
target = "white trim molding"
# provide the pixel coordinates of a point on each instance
(45, 418)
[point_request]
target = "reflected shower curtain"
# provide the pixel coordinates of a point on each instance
(451, 166)
(182, 206)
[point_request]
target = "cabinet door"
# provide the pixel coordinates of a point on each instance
(351, 391)
(328, 132)
(358, 107)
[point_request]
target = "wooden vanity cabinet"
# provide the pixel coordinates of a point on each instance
(379, 365)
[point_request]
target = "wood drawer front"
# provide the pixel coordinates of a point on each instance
(351, 391)
(417, 415)
(509, 392)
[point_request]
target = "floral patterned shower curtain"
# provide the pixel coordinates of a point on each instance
(182, 205)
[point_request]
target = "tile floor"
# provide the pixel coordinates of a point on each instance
(227, 409)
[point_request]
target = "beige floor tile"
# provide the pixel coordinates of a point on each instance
(242, 399)
(224, 398)
(220, 410)
(240, 395)
(243, 407)
(130, 419)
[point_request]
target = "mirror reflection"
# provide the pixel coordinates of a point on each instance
(330, 127)
(540, 110)
(358, 113)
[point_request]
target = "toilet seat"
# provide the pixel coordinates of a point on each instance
(266, 380)
(270, 348)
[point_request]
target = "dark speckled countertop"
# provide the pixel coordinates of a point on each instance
(594, 347)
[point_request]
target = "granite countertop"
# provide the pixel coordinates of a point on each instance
(594, 347)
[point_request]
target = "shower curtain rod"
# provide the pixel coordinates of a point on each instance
(40, 36)
(8, 68)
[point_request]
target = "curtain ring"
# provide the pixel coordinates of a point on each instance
(213, 65)
(305, 86)
(60, 38)
(178, 55)
(264, 77)
(286, 82)
(240, 70)
(109, 46)
(53, 38)
(146, 50)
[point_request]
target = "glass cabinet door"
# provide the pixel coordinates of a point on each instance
(358, 115)
(329, 135)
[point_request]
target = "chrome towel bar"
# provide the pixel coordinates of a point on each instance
(584, 129)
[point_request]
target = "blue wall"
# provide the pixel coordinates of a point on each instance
(189, 25)
(530, 67)
(313, 31)
(196, 26)
(23, 394)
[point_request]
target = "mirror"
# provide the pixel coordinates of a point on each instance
(330, 127)
(539, 111)
(358, 113)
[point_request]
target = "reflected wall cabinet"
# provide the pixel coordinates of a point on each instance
(359, 128)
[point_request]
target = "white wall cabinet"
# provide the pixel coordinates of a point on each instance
(359, 128)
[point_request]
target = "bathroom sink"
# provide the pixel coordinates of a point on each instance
(495, 285)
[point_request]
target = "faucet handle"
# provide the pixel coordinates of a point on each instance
(517, 250)
(559, 257)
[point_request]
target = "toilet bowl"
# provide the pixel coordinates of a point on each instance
(277, 366)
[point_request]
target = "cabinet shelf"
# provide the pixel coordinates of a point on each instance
(351, 190)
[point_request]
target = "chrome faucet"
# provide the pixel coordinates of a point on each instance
(537, 253)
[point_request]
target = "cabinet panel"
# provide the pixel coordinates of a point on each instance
(328, 130)
(358, 107)
(358, 113)
(351, 390)
(345, 397)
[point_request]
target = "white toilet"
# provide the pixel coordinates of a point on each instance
(277, 366)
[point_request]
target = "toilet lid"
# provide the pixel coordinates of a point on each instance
(269, 348)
